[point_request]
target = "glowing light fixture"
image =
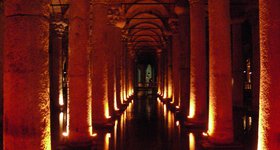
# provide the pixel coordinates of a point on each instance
(93, 135)
(177, 123)
(205, 134)
(65, 134)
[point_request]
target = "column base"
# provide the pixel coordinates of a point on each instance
(206, 144)
(195, 125)
(118, 113)
(87, 144)
(106, 125)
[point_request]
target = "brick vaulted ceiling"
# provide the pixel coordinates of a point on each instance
(148, 23)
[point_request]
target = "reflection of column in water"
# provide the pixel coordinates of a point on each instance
(122, 130)
(107, 141)
(128, 115)
(178, 134)
(158, 108)
(170, 125)
(61, 116)
(115, 134)
(178, 127)
(148, 109)
(191, 141)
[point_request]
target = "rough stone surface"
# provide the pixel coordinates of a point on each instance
(220, 91)
(198, 87)
(79, 101)
(99, 64)
(269, 111)
(26, 77)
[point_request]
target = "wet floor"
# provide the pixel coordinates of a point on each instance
(147, 125)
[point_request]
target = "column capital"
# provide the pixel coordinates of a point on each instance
(59, 28)
(180, 10)
(100, 2)
(124, 35)
(116, 16)
(1, 5)
(192, 2)
(173, 25)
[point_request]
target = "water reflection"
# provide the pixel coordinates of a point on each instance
(191, 141)
(147, 124)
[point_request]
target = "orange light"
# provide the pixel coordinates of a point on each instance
(89, 105)
(60, 99)
(65, 134)
(46, 130)
(177, 123)
(192, 141)
(115, 103)
(107, 113)
(107, 141)
(158, 100)
(170, 92)
(204, 133)
(61, 119)
(93, 135)
(115, 134)
(192, 106)
(164, 110)
(212, 115)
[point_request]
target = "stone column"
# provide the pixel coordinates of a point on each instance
(56, 77)
(166, 71)
(100, 102)
(124, 68)
(162, 64)
(123, 83)
(237, 66)
(116, 19)
(269, 111)
(198, 94)
(159, 74)
(114, 55)
(169, 69)
(184, 28)
(1, 67)
(176, 51)
(117, 59)
(130, 74)
(26, 75)
(111, 68)
(79, 101)
(220, 127)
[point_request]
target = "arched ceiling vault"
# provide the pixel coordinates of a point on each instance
(147, 24)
